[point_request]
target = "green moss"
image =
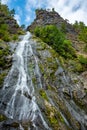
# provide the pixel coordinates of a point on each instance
(53, 116)
(43, 94)
(78, 67)
(41, 68)
(2, 118)
(15, 37)
(62, 106)
(34, 80)
(2, 76)
(75, 66)
(86, 91)
(81, 103)
(3, 53)
(21, 32)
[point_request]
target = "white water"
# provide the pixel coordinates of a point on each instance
(22, 104)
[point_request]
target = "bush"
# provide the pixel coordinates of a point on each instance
(6, 38)
(55, 38)
(15, 37)
(83, 60)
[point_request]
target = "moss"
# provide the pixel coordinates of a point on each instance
(52, 88)
(34, 80)
(15, 37)
(41, 68)
(53, 116)
(86, 91)
(81, 103)
(21, 32)
(2, 76)
(53, 53)
(2, 118)
(4, 52)
(42, 46)
(43, 94)
(62, 106)
(75, 66)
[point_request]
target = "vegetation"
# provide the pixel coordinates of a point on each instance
(81, 28)
(4, 62)
(43, 94)
(2, 118)
(83, 60)
(63, 27)
(55, 38)
(6, 32)
(2, 76)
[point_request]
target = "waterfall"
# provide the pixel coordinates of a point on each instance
(24, 98)
(19, 93)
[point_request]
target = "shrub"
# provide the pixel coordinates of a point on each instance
(55, 38)
(15, 37)
(6, 38)
(83, 60)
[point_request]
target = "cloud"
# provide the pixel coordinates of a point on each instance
(5, 1)
(30, 7)
(70, 9)
(17, 17)
(28, 19)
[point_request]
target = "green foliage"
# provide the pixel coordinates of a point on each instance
(6, 37)
(12, 12)
(83, 60)
(68, 50)
(3, 53)
(76, 66)
(23, 26)
(21, 32)
(63, 27)
(15, 37)
(5, 29)
(4, 9)
(2, 118)
(2, 76)
(55, 38)
(43, 94)
(81, 28)
(53, 10)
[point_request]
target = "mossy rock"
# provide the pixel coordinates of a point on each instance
(54, 117)
(2, 118)
(2, 77)
(43, 94)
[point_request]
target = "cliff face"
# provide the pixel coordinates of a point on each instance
(44, 17)
(75, 94)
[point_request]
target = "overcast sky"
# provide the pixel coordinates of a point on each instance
(68, 9)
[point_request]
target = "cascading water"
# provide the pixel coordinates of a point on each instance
(19, 94)
(24, 98)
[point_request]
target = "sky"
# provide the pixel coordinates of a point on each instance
(69, 9)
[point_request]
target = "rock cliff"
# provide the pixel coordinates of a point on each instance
(45, 17)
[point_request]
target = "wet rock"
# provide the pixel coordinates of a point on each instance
(2, 118)
(66, 91)
(79, 94)
(59, 71)
(84, 79)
